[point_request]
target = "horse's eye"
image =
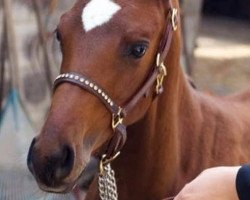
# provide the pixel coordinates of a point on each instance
(138, 50)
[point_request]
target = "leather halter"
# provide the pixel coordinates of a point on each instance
(118, 140)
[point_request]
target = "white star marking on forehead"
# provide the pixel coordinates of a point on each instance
(98, 12)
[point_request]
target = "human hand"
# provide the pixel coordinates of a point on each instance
(212, 184)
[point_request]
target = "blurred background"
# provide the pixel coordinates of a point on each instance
(216, 55)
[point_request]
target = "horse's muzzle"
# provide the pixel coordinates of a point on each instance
(50, 170)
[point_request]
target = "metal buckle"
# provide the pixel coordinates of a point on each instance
(162, 74)
(104, 161)
(174, 18)
(117, 119)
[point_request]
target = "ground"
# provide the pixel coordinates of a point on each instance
(222, 64)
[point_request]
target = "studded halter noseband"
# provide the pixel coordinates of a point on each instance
(118, 140)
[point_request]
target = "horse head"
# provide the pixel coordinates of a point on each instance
(114, 44)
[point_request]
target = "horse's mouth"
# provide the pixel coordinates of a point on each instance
(58, 190)
(64, 189)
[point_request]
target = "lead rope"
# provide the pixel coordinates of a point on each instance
(107, 184)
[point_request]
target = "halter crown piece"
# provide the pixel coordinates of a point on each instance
(101, 160)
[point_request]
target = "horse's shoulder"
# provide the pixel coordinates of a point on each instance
(226, 110)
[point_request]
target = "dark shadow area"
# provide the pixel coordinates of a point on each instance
(239, 9)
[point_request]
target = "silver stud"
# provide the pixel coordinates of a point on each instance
(99, 91)
(63, 75)
(109, 100)
(71, 76)
(81, 80)
(106, 97)
(87, 82)
(76, 77)
(67, 75)
(103, 94)
(91, 85)
(95, 88)
(111, 103)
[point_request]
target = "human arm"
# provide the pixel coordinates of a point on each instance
(213, 184)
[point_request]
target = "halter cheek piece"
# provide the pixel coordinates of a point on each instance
(103, 157)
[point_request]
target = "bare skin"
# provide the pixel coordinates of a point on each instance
(214, 183)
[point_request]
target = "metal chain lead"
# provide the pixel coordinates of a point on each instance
(107, 184)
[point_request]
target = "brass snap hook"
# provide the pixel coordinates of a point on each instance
(104, 161)
(174, 18)
(117, 119)
(162, 74)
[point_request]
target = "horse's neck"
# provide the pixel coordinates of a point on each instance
(150, 158)
(162, 151)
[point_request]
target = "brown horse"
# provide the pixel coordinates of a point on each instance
(171, 138)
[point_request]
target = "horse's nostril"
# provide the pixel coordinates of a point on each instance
(65, 163)
(50, 169)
